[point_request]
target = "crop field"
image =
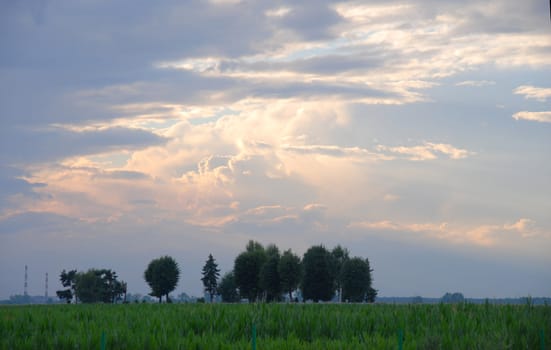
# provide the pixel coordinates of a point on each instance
(277, 326)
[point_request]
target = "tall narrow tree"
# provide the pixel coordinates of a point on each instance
(210, 277)
(356, 280)
(340, 256)
(269, 274)
(318, 282)
(371, 293)
(290, 272)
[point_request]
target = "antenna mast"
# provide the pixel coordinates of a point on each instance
(25, 287)
(46, 290)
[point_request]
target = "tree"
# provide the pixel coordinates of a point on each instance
(92, 286)
(317, 282)
(356, 280)
(114, 289)
(228, 289)
(339, 255)
(99, 285)
(210, 277)
(162, 276)
(453, 298)
(89, 288)
(269, 274)
(254, 246)
(371, 293)
(289, 272)
(67, 279)
(247, 268)
(65, 294)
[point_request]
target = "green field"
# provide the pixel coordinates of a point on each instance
(279, 326)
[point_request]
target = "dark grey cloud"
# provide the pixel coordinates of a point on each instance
(49, 52)
(24, 146)
(505, 16)
(311, 20)
(332, 63)
(30, 221)
(12, 183)
(436, 269)
(316, 88)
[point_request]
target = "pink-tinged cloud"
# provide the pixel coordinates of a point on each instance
(542, 117)
(533, 92)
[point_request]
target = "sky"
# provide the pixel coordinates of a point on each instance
(414, 133)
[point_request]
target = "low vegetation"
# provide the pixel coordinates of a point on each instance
(278, 326)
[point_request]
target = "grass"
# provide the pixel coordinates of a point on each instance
(278, 326)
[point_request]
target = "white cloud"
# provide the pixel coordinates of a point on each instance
(533, 92)
(389, 197)
(278, 12)
(542, 117)
(357, 12)
(476, 83)
(427, 151)
(224, 2)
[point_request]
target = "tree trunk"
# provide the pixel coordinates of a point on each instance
(290, 296)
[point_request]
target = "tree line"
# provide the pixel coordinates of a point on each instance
(92, 286)
(259, 274)
(263, 273)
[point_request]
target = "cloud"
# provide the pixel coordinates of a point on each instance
(352, 153)
(542, 117)
(278, 12)
(43, 145)
(389, 197)
(427, 151)
(476, 83)
(223, 121)
(488, 235)
(14, 185)
(533, 92)
(28, 221)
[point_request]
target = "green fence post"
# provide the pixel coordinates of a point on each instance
(103, 340)
(400, 339)
(542, 340)
(254, 337)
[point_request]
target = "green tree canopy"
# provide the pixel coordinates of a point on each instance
(162, 276)
(92, 286)
(339, 256)
(253, 246)
(66, 294)
(318, 281)
(356, 279)
(210, 277)
(246, 270)
(371, 293)
(67, 279)
(453, 298)
(290, 272)
(228, 289)
(269, 274)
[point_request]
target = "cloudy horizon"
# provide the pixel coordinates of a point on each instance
(415, 133)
